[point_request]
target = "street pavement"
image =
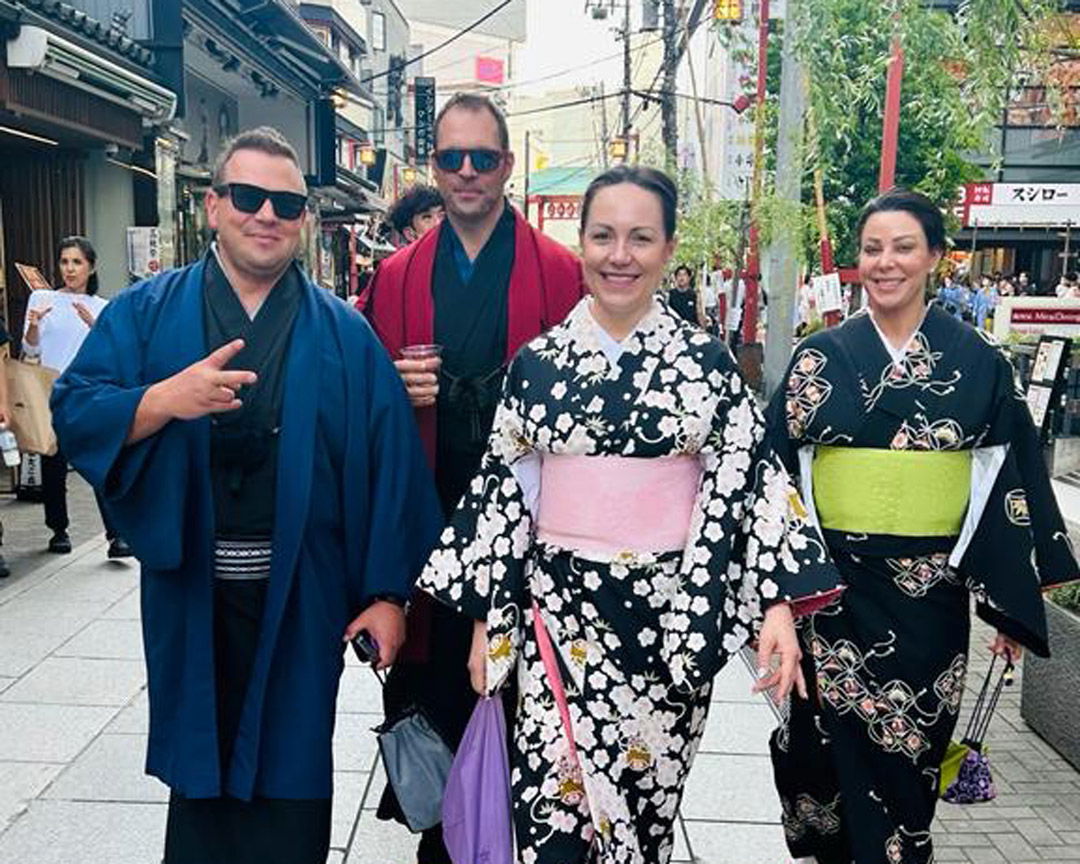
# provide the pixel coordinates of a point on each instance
(73, 732)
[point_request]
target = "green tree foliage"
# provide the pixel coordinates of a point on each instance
(955, 87)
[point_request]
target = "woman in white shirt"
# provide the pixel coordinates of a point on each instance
(56, 325)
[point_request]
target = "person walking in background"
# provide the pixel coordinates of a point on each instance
(1025, 287)
(414, 214)
(924, 471)
(682, 295)
(954, 297)
(57, 324)
(1069, 286)
(479, 286)
(256, 447)
(984, 300)
(628, 510)
(5, 420)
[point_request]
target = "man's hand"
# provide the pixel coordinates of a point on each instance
(203, 388)
(421, 380)
(478, 658)
(206, 387)
(385, 622)
(778, 637)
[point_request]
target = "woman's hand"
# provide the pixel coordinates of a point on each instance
(478, 658)
(36, 315)
(83, 312)
(778, 637)
(1006, 647)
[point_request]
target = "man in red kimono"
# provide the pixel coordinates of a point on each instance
(480, 286)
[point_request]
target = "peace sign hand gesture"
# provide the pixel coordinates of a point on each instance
(207, 387)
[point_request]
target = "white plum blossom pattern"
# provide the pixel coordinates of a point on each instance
(638, 635)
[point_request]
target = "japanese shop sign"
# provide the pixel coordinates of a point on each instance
(424, 98)
(1015, 204)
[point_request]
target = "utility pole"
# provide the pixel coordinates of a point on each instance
(704, 157)
(669, 115)
(781, 256)
(528, 167)
(604, 138)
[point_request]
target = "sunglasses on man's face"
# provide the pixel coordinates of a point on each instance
(483, 160)
(250, 199)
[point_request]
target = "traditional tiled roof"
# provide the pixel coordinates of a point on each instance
(83, 24)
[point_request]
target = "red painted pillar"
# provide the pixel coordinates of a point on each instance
(890, 133)
(753, 264)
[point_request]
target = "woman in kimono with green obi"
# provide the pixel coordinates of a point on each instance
(629, 512)
(918, 459)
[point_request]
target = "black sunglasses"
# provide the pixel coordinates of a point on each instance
(250, 199)
(483, 160)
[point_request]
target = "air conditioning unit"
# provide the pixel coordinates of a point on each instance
(39, 50)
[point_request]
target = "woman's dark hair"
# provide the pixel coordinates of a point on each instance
(88, 252)
(918, 205)
(648, 179)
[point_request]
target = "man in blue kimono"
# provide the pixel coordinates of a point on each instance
(252, 439)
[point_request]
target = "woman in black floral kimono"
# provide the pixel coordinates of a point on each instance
(627, 499)
(919, 461)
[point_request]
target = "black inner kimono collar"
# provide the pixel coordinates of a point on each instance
(242, 438)
(471, 319)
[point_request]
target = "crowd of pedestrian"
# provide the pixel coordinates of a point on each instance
(537, 477)
(974, 298)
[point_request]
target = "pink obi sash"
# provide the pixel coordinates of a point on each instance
(607, 506)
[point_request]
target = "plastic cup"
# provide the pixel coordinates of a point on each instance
(421, 352)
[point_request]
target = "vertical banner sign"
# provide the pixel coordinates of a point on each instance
(424, 89)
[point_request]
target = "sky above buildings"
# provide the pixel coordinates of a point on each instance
(563, 36)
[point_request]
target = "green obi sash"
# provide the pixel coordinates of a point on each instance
(905, 493)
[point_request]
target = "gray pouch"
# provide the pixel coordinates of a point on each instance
(417, 763)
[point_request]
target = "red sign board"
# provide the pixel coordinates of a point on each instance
(490, 70)
(1028, 315)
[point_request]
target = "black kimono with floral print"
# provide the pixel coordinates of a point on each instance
(638, 636)
(890, 658)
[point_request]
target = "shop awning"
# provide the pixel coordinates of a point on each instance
(287, 35)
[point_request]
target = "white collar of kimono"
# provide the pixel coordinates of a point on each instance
(603, 341)
(897, 354)
(217, 254)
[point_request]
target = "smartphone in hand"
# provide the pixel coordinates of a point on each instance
(366, 648)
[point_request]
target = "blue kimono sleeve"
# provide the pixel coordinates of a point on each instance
(93, 404)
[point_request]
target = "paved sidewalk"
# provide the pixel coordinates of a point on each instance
(73, 735)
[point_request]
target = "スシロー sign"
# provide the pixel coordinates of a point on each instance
(1003, 205)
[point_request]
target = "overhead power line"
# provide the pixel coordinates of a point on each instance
(587, 100)
(442, 44)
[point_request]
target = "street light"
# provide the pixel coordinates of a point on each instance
(408, 175)
(619, 148)
(367, 154)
